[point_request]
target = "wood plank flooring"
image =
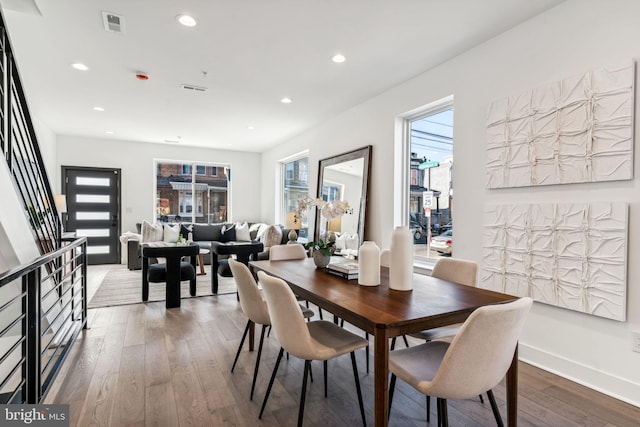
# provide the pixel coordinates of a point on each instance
(143, 365)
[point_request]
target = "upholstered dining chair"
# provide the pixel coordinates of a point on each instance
(255, 308)
(284, 252)
(474, 362)
(452, 270)
(287, 252)
(317, 340)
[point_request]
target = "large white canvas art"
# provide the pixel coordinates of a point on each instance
(578, 129)
(568, 255)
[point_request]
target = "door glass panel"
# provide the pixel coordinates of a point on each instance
(99, 182)
(92, 215)
(93, 232)
(98, 249)
(92, 198)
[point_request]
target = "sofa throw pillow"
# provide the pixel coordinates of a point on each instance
(242, 232)
(207, 232)
(171, 233)
(261, 230)
(353, 242)
(185, 229)
(272, 236)
(228, 233)
(151, 232)
(341, 242)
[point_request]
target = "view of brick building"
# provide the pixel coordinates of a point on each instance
(176, 185)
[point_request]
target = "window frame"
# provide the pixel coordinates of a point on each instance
(280, 208)
(402, 166)
(192, 166)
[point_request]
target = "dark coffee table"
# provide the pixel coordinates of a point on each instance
(242, 250)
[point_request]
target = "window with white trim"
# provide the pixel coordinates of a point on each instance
(428, 153)
(295, 185)
(178, 182)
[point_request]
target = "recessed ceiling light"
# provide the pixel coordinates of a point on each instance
(80, 66)
(286, 100)
(98, 108)
(339, 58)
(251, 127)
(187, 20)
(109, 132)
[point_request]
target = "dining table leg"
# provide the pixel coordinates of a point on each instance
(381, 376)
(512, 391)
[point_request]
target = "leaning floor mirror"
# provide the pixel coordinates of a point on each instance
(345, 178)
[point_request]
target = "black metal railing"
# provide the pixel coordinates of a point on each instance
(20, 149)
(44, 309)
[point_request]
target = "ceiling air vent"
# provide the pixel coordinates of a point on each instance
(193, 88)
(112, 22)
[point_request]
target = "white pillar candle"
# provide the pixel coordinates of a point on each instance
(401, 260)
(369, 264)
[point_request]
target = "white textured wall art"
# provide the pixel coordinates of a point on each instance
(578, 129)
(568, 255)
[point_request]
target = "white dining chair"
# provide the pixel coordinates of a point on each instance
(456, 271)
(473, 363)
(453, 270)
(316, 340)
(285, 252)
(290, 252)
(255, 308)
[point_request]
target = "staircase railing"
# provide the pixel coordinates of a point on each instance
(44, 309)
(20, 148)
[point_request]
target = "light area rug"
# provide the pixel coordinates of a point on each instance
(122, 286)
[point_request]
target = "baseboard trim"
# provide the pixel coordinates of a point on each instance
(603, 382)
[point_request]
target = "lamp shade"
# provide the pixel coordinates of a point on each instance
(293, 222)
(61, 202)
(335, 225)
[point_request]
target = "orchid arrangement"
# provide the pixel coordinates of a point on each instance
(333, 209)
(328, 210)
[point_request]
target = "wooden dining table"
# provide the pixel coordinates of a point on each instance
(386, 313)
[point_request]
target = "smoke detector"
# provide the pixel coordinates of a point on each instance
(193, 88)
(112, 22)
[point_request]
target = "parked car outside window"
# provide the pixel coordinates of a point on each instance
(416, 229)
(443, 243)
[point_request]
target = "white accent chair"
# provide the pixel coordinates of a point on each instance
(285, 252)
(453, 270)
(255, 308)
(288, 252)
(474, 362)
(317, 340)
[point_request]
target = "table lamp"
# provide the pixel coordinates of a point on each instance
(334, 226)
(293, 222)
(61, 206)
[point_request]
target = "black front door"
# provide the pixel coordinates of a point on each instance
(93, 210)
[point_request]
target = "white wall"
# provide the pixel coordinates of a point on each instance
(138, 174)
(573, 38)
(47, 143)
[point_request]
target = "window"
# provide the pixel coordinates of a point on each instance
(295, 185)
(428, 150)
(191, 192)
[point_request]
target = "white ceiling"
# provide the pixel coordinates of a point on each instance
(254, 52)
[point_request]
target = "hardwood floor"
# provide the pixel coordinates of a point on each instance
(143, 365)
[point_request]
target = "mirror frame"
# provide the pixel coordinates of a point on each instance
(360, 153)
